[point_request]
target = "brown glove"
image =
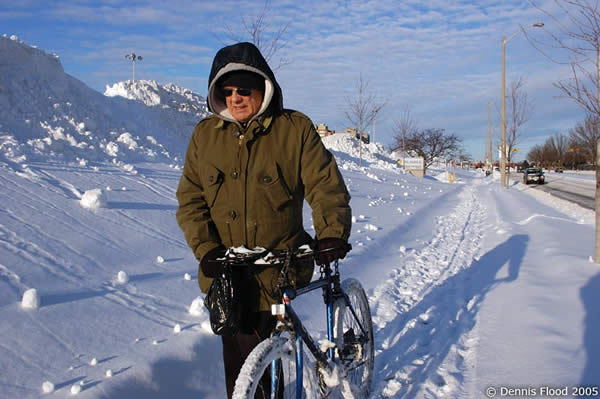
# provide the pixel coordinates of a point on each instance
(330, 249)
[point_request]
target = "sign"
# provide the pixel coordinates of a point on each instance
(417, 163)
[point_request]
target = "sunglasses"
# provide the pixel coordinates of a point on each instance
(240, 91)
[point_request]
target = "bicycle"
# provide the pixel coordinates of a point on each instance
(342, 364)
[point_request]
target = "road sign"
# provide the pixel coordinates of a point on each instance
(416, 163)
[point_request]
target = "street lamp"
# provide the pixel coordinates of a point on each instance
(488, 150)
(133, 58)
(503, 175)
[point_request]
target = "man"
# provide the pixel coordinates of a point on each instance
(247, 171)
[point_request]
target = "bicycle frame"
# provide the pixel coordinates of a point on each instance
(330, 283)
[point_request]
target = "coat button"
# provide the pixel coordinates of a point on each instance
(267, 179)
(211, 179)
(234, 175)
(233, 214)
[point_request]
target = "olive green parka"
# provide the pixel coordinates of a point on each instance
(245, 186)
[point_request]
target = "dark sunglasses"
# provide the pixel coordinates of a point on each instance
(240, 91)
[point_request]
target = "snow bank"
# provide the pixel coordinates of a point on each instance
(46, 113)
(348, 153)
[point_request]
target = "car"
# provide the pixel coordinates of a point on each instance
(533, 175)
(558, 170)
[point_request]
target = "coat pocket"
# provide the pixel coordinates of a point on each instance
(274, 187)
(213, 179)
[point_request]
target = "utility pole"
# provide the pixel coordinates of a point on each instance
(503, 155)
(489, 153)
(133, 58)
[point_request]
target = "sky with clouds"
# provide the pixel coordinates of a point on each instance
(439, 58)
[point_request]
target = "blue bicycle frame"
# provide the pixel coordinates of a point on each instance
(327, 283)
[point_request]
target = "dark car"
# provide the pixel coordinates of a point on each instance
(558, 170)
(533, 175)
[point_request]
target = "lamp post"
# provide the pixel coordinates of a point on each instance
(488, 150)
(133, 58)
(503, 175)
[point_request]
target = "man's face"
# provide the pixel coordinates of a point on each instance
(242, 107)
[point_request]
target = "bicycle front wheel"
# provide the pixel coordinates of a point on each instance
(279, 352)
(353, 335)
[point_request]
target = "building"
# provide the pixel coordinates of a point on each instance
(323, 130)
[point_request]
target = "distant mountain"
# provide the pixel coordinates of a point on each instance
(48, 114)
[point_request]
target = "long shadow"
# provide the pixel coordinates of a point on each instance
(199, 375)
(140, 206)
(65, 297)
(589, 294)
(420, 339)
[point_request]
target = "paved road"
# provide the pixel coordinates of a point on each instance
(582, 192)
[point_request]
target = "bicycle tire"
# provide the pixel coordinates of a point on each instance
(355, 349)
(281, 349)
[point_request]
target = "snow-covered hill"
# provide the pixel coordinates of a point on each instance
(471, 286)
(47, 114)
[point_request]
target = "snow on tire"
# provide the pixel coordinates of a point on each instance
(282, 350)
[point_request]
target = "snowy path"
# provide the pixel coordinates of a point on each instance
(419, 312)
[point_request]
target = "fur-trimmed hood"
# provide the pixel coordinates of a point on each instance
(242, 57)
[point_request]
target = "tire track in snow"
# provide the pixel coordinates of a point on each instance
(138, 304)
(36, 255)
(12, 279)
(168, 193)
(417, 311)
(61, 217)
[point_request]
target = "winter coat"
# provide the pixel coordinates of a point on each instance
(246, 186)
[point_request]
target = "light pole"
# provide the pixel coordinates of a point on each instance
(488, 152)
(133, 58)
(503, 175)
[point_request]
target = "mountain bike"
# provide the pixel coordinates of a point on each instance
(339, 366)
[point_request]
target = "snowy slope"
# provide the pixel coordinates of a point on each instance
(470, 285)
(47, 114)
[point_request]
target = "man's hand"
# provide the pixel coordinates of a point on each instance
(331, 249)
(210, 267)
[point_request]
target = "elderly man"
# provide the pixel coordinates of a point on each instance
(247, 171)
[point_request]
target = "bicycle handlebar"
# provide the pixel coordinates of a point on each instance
(264, 257)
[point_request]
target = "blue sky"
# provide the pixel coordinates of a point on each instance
(440, 58)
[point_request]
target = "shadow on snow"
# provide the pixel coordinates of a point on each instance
(589, 297)
(452, 307)
(171, 377)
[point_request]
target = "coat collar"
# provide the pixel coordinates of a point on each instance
(255, 127)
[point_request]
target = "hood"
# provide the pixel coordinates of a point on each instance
(242, 56)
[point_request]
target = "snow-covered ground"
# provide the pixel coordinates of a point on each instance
(471, 286)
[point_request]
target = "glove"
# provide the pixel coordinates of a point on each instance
(210, 267)
(333, 249)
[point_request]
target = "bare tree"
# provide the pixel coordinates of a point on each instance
(520, 110)
(403, 127)
(536, 154)
(583, 138)
(432, 144)
(362, 110)
(578, 34)
(258, 30)
(559, 147)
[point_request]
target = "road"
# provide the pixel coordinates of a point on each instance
(571, 188)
